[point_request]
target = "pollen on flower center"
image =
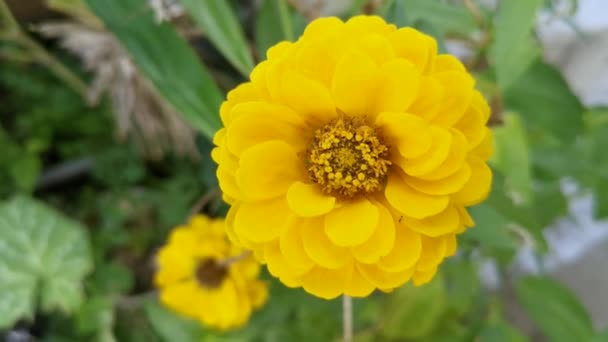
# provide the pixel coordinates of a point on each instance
(347, 157)
(210, 273)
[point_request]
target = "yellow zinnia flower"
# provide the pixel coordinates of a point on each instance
(351, 155)
(204, 277)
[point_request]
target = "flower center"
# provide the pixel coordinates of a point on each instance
(346, 157)
(210, 273)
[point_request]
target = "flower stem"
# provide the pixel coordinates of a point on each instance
(347, 318)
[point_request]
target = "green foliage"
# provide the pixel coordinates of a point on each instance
(511, 158)
(275, 21)
(220, 24)
(165, 59)
(555, 309)
(412, 312)
(43, 258)
(542, 132)
(513, 49)
(540, 96)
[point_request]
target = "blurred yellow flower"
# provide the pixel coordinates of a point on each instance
(204, 277)
(351, 155)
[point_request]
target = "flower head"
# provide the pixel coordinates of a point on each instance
(350, 156)
(202, 276)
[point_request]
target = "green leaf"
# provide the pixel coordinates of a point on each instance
(443, 16)
(166, 59)
(412, 312)
(274, 23)
(25, 171)
(96, 317)
(546, 104)
(221, 26)
(171, 327)
(511, 157)
(490, 228)
(500, 331)
(555, 309)
(43, 259)
(513, 49)
(462, 285)
(600, 205)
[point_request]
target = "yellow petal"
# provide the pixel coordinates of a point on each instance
(465, 218)
(381, 242)
(279, 50)
(415, 46)
(292, 247)
(435, 156)
(427, 103)
(352, 224)
(377, 47)
(472, 124)
(456, 97)
(479, 185)
(351, 83)
(261, 221)
(423, 277)
(326, 283)
(445, 186)
(451, 245)
(319, 248)
(433, 252)
(410, 133)
(454, 161)
(227, 181)
(410, 202)
(278, 265)
(405, 253)
(244, 92)
(268, 169)
(485, 149)
(369, 24)
(322, 27)
(307, 200)
(396, 87)
(382, 279)
(358, 285)
(297, 91)
(257, 122)
(448, 221)
(447, 62)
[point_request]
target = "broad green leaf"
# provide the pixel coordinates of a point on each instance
(274, 23)
(549, 202)
(546, 104)
(443, 16)
(412, 312)
(222, 27)
(522, 216)
(166, 59)
(43, 259)
(500, 331)
(462, 285)
(555, 309)
(513, 49)
(490, 229)
(511, 157)
(170, 326)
